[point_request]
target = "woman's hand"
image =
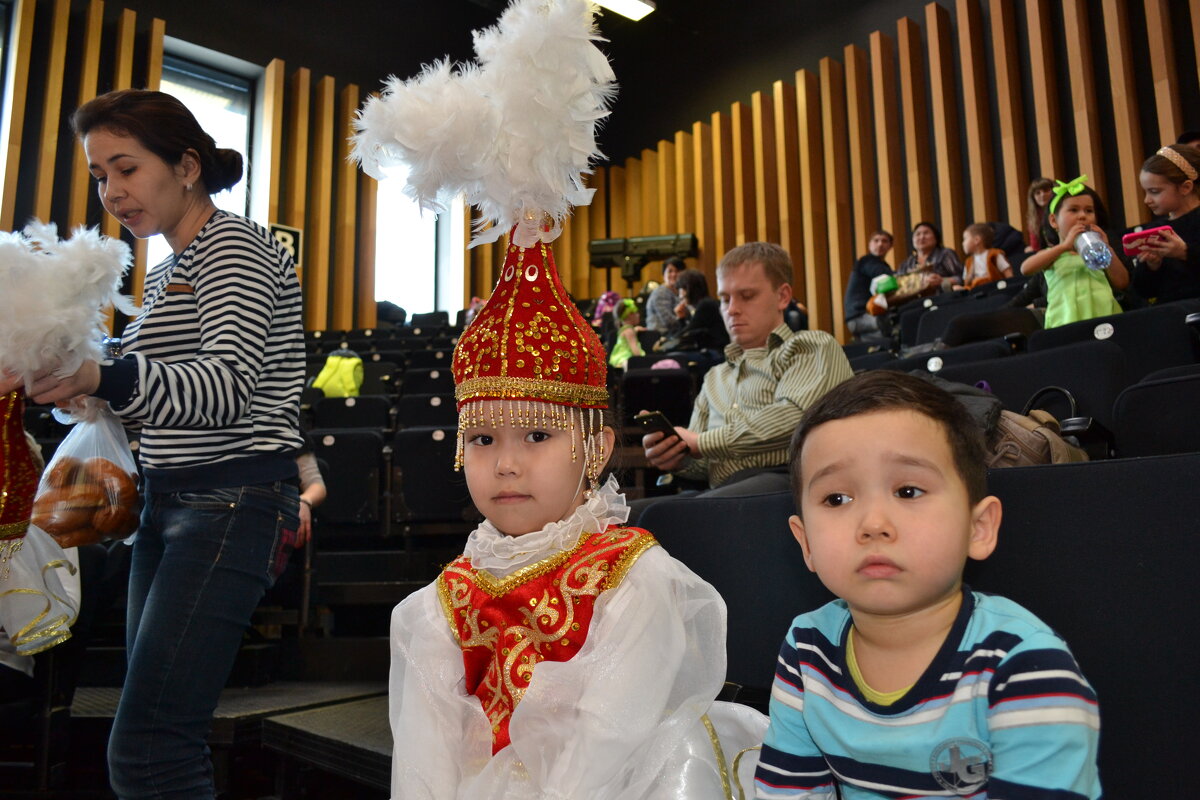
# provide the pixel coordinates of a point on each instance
(48, 386)
(1166, 244)
(681, 309)
(304, 531)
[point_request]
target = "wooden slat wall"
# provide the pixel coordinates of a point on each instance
(344, 213)
(828, 307)
(1011, 111)
(52, 101)
(1077, 25)
(745, 212)
(946, 137)
(16, 87)
(812, 200)
(89, 76)
(860, 127)
(1162, 66)
(704, 198)
(1125, 108)
(889, 151)
(766, 169)
(973, 67)
(1043, 73)
(914, 104)
(787, 161)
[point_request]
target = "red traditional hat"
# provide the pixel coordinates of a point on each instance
(530, 342)
(530, 348)
(19, 476)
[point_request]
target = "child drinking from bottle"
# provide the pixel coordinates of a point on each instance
(1076, 290)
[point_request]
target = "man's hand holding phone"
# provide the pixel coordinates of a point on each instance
(666, 445)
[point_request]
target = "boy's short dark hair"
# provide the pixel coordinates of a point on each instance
(674, 261)
(882, 232)
(884, 390)
(985, 232)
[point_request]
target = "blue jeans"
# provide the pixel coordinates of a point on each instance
(201, 562)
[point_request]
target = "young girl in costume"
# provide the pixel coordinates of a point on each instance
(1074, 291)
(627, 344)
(564, 654)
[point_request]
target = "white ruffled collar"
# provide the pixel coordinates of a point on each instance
(500, 554)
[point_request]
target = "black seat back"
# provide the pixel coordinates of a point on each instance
(1103, 553)
(743, 547)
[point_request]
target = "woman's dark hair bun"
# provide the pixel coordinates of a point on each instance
(226, 170)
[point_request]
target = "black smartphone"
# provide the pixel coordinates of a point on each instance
(656, 421)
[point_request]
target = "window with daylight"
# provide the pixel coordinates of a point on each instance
(222, 103)
(419, 257)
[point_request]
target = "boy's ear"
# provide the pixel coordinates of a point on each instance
(797, 526)
(985, 528)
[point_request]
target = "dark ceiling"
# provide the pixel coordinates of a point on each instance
(677, 65)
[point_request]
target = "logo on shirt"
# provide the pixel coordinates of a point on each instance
(961, 765)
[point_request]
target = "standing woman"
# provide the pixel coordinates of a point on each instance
(929, 256)
(1168, 268)
(212, 371)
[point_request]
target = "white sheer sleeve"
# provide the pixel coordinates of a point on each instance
(439, 732)
(627, 707)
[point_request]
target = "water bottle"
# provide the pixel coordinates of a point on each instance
(1094, 251)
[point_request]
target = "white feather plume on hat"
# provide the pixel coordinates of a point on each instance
(514, 133)
(54, 296)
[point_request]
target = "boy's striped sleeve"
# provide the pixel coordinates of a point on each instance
(790, 765)
(1044, 725)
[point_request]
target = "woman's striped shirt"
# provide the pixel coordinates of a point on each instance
(214, 363)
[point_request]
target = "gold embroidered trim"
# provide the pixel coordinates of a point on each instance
(495, 387)
(14, 530)
(625, 562)
(57, 630)
(720, 754)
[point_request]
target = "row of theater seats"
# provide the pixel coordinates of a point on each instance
(1135, 374)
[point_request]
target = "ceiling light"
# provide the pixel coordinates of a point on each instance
(634, 9)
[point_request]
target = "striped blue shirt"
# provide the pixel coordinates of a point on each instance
(1002, 712)
(215, 361)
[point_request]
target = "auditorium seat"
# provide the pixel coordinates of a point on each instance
(1094, 372)
(1160, 414)
(665, 390)
(744, 548)
(380, 378)
(418, 410)
(1153, 338)
(356, 466)
(425, 484)
(933, 323)
(937, 360)
(428, 381)
(364, 411)
(1103, 553)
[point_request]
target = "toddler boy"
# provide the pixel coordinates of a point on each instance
(984, 263)
(911, 685)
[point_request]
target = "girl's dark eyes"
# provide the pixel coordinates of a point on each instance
(481, 439)
(836, 499)
(537, 436)
(909, 492)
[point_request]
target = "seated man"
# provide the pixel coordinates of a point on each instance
(748, 406)
(858, 289)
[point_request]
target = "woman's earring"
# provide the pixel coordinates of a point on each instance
(188, 187)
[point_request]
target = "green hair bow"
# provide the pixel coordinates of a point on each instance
(1061, 190)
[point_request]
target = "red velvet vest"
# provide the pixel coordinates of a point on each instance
(541, 612)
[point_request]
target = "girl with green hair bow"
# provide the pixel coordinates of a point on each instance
(1074, 291)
